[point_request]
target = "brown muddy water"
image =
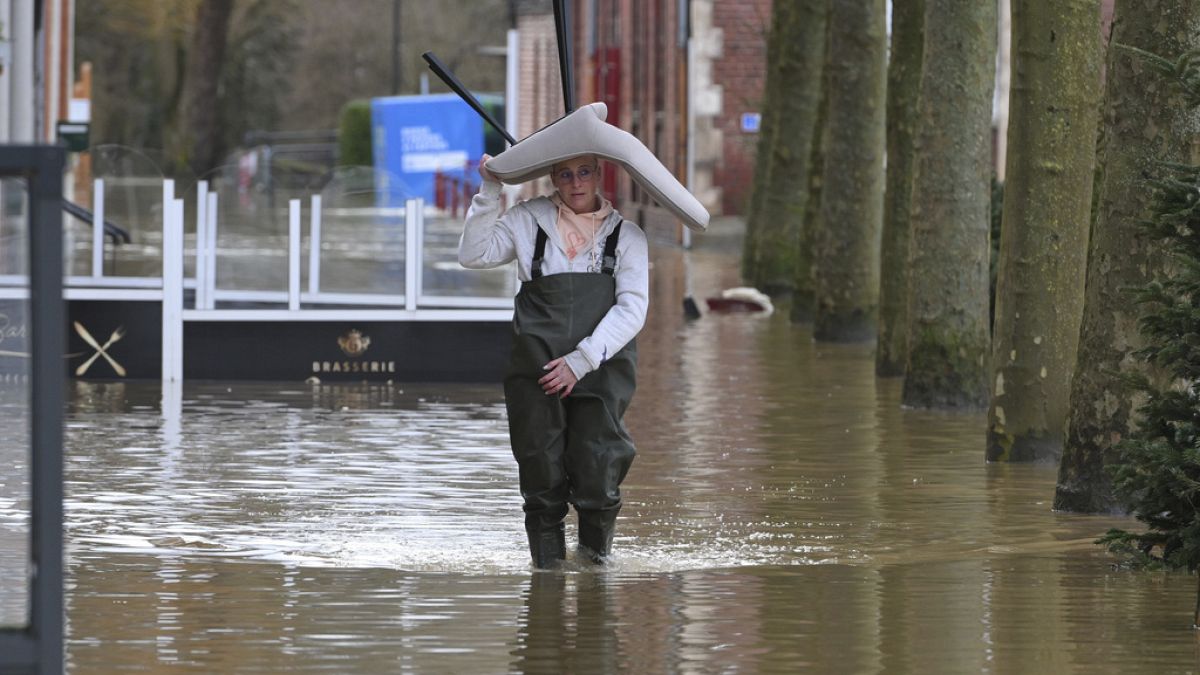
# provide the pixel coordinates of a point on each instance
(784, 514)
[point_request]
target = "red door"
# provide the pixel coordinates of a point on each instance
(607, 84)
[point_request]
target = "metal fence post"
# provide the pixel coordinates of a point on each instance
(38, 646)
(48, 313)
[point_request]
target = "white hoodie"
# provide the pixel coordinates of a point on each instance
(491, 239)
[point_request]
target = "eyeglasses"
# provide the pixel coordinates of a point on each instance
(584, 174)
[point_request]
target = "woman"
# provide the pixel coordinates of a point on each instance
(583, 298)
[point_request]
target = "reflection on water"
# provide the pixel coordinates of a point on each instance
(15, 341)
(14, 495)
(784, 514)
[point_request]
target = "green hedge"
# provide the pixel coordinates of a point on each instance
(354, 134)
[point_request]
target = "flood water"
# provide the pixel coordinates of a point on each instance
(784, 514)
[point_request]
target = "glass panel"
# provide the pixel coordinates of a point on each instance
(362, 233)
(77, 233)
(133, 201)
(14, 404)
(443, 276)
(252, 224)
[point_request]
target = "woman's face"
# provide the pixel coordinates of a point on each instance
(576, 181)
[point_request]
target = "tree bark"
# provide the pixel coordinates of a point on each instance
(200, 117)
(1044, 233)
(804, 295)
(767, 136)
(847, 243)
(798, 35)
(1144, 122)
(801, 61)
(903, 89)
(948, 305)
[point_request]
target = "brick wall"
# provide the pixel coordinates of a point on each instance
(539, 87)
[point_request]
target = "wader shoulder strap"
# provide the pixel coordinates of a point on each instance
(610, 250)
(539, 252)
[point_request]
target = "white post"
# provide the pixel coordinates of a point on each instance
(512, 100)
(172, 284)
(6, 31)
(512, 81)
(412, 253)
(314, 246)
(22, 96)
(420, 250)
(210, 294)
(201, 245)
(98, 227)
(690, 151)
(52, 39)
(293, 254)
(177, 292)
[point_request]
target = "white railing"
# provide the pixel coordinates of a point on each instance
(412, 305)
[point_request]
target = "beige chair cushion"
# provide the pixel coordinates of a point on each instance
(585, 132)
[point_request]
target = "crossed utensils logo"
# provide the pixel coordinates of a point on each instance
(101, 349)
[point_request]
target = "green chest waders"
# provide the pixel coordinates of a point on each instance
(576, 449)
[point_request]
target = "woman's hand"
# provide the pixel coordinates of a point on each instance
(483, 172)
(560, 380)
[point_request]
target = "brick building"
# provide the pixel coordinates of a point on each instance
(634, 56)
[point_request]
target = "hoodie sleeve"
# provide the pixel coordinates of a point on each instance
(487, 239)
(627, 316)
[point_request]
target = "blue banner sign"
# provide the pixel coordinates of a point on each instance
(416, 138)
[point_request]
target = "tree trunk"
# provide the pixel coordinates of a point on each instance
(1143, 123)
(804, 295)
(903, 88)
(205, 61)
(798, 31)
(847, 244)
(948, 305)
(1044, 233)
(801, 61)
(767, 136)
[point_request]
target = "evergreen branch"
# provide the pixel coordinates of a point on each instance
(1184, 71)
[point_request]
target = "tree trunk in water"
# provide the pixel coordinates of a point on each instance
(205, 61)
(903, 89)
(948, 305)
(847, 243)
(798, 28)
(1143, 123)
(804, 295)
(767, 137)
(1043, 238)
